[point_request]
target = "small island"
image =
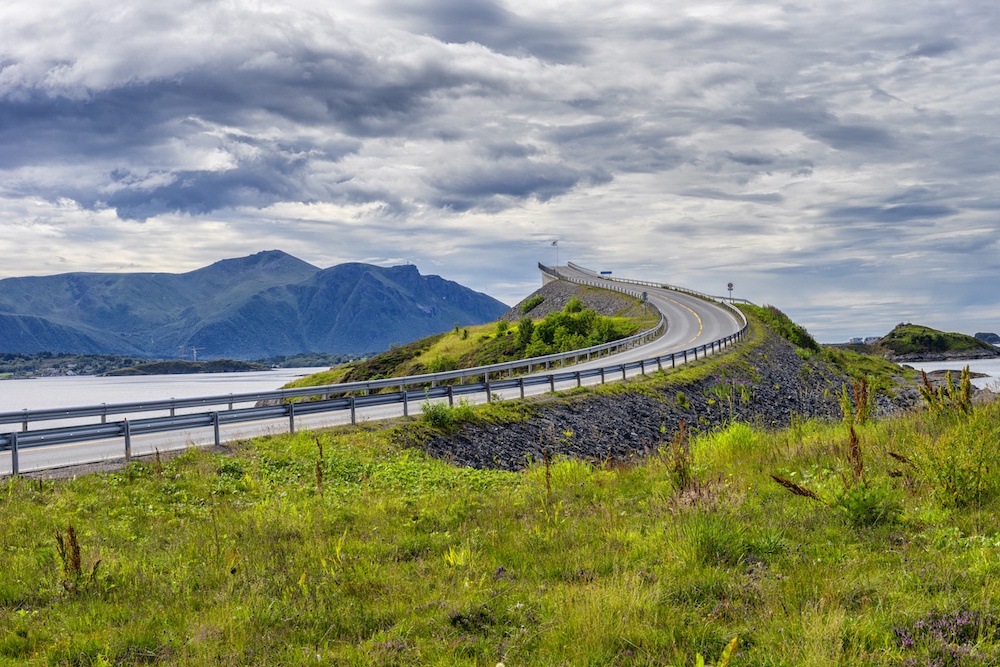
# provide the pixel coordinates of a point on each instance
(178, 367)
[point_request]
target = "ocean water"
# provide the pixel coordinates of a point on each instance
(990, 367)
(87, 390)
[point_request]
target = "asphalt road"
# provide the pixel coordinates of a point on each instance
(691, 322)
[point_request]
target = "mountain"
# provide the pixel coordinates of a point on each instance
(264, 305)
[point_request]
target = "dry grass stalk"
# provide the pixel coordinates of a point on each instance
(854, 457)
(69, 552)
(901, 458)
(319, 468)
(797, 490)
(680, 457)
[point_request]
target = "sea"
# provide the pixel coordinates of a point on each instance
(989, 367)
(88, 390)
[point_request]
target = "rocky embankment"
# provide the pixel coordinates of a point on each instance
(769, 385)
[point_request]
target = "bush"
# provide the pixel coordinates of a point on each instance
(531, 303)
(446, 417)
(864, 505)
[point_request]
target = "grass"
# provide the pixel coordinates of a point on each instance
(914, 338)
(242, 558)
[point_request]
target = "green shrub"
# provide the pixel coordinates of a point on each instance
(531, 303)
(864, 505)
(446, 417)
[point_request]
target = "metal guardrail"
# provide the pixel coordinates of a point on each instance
(349, 396)
(673, 288)
(104, 410)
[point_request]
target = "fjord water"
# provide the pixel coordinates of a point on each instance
(80, 390)
(989, 367)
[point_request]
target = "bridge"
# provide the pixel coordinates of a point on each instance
(691, 325)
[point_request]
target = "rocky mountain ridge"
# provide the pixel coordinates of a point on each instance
(267, 304)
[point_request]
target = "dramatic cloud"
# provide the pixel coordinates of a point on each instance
(838, 161)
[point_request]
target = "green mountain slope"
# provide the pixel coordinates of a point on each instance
(263, 305)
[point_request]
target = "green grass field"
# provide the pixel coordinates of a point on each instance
(368, 553)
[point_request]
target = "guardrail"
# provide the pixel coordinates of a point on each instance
(340, 397)
(673, 288)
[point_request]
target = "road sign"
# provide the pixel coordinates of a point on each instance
(605, 273)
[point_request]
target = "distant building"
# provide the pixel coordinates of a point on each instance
(857, 341)
(871, 340)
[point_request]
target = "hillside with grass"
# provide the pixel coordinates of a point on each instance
(848, 540)
(913, 342)
(573, 327)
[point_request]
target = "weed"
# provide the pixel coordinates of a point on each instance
(678, 455)
(68, 548)
(948, 397)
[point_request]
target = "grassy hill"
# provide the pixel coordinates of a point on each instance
(914, 339)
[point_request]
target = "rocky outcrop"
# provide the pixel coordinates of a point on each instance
(770, 387)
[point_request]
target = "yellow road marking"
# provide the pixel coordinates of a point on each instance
(701, 326)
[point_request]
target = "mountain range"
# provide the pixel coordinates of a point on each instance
(264, 305)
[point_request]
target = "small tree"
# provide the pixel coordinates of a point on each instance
(525, 328)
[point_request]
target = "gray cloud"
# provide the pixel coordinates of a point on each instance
(805, 153)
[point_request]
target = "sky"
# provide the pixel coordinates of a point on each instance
(839, 160)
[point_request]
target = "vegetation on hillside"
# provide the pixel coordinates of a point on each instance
(15, 364)
(574, 327)
(881, 375)
(917, 339)
(782, 325)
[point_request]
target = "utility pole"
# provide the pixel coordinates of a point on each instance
(181, 348)
(194, 352)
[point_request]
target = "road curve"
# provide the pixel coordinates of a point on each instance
(691, 321)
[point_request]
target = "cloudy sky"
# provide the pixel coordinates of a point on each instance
(838, 159)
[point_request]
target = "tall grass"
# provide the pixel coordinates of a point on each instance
(345, 548)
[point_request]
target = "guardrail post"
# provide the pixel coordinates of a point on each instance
(14, 468)
(489, 394)
(353, 414)
(406, 404)
(659, 364)
(173, 408)
(24, 424)
(623, 371)
(104, 414)
(685, 356)
(642, 367)
(451, 396)
(602, 376)
(230, 402)
(579, 380)
(291, 418)
(520, 385)
(552, 383)
(215, 427)
(696, 353)
(128, 441)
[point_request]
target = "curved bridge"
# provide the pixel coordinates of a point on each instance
(692, 325)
